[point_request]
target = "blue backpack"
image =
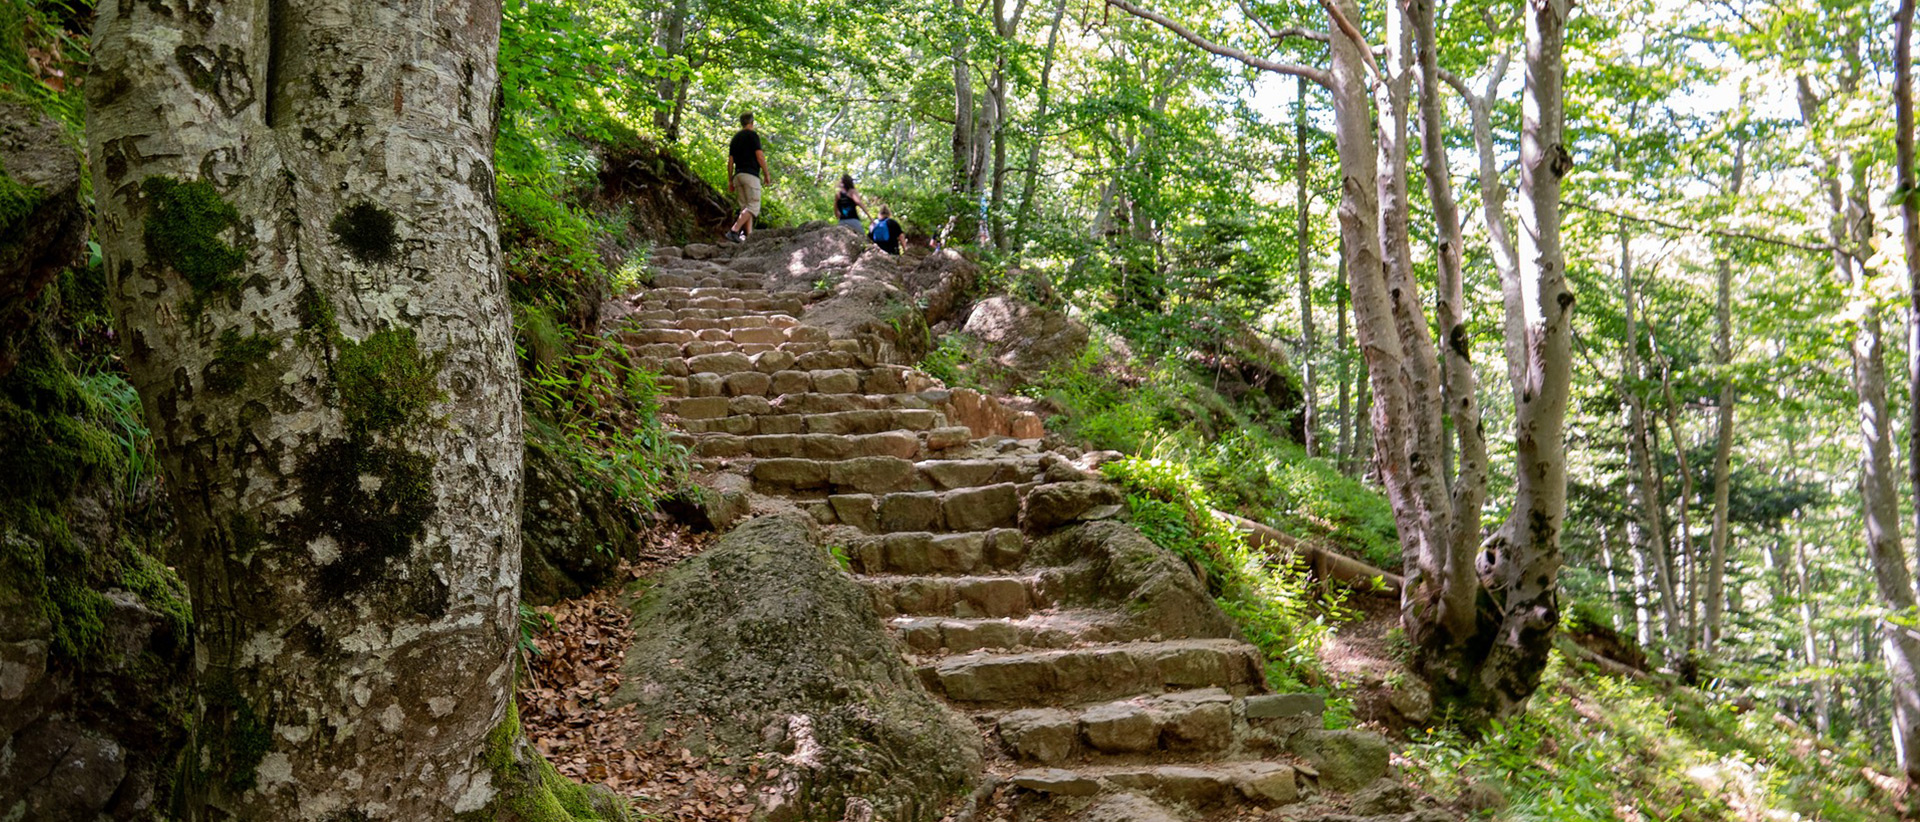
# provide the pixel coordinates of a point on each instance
(881, 231)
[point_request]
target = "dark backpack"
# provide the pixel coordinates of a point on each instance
(882, 232)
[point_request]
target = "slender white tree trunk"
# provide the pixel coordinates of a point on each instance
(296, 208)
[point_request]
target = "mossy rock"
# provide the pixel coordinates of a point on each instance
(766, 641)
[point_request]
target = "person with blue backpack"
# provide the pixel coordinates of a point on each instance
(887, 232)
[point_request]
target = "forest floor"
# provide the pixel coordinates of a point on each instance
(573, 671)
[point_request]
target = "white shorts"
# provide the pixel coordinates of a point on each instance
(748, 186)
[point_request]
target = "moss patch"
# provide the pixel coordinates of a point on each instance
(184, 225)
(385, 383)
(374, 501)
(531, 790)
(366, 231)
(233, 357)
(233, 736)
(17, 201)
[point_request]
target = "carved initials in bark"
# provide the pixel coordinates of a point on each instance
(318, 328)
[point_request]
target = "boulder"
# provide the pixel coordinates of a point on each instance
(1024, 339)
(573, 532)
(765, 647)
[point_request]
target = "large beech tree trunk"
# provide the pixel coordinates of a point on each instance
(296, 209)
(1519, 566)
(1303, 270)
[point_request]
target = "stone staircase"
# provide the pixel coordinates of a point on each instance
(1103, 692)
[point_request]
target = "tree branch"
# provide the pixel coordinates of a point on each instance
(1312, 74)
(1348, 28)
(1703, 231)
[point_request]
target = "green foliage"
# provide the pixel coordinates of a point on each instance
(1594, 747)
(592, 404)
(1269, 597)
(43, 52)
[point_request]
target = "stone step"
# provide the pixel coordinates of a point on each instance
(924, 552)
(887, 508)
(704, 319)
(902, 444)
(663, 293)
(706, 375)
(647, 339)
(1203, 721)
(932, 637)
(792, 380)
(1199, 788)
(1079, 675)
(965, 597)
(656, 355)
(784, 304)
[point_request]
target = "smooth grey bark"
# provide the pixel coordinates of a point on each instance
(1460, 386)
(1809, 636)
(1008, 28)
(1850, 230)
(671, 39)
(1343, 444)
(1647, 530)
(1031, 174)
(1723, 433)
(1303, 271)
(1688, 551)
(963, 148)
(295, 202)
(1520, 565)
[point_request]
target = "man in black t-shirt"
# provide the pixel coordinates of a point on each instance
(746, 175)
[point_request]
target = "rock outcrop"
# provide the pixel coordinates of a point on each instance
(573, 534)
(42, 225)
(768, 642)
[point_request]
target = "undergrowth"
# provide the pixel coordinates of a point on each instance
(1595, 747)
(1269, 596)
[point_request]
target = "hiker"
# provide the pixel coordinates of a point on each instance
(847, 205)
(887, 232)
(746, 175)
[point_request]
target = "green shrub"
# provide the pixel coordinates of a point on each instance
(1268, 596)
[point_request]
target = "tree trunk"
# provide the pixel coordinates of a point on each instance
(1723, 439)
(1809, 637)
(1648, 529)
(296, 208)
(1690, 555)
(1032, 171)
(1879, 500)
(1460, 387)
(1303, 259)
(671, 39)
(963, 149)
(1521, 563)
(1344, 445)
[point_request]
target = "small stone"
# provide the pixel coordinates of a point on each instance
(836, 381)
(701, 408)
(722, 363)
(1056, 781)
(1346, 760)
(771, 362)
(1120, 727)
(993, 597)
(962, 553)
(1382, 797)
(1055, 504)
(792, 382)
(704, 384)
(699, 251)
(950, 436)
(758, 336)
(1278, 706)
(1046, 735)
(854, 509)
(747, 383)
(1005, 547)
(980, 509)
(910, 512)
(872, 474)
(808, 334)
(790, 473)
